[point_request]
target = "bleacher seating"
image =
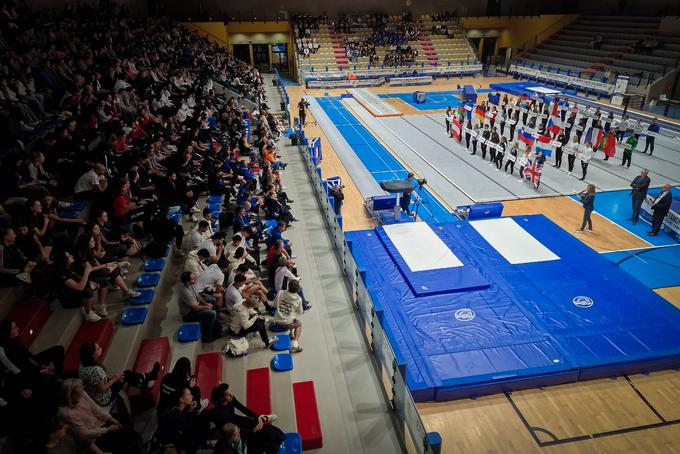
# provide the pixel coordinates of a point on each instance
(100, 332)
(30, 316)
(208, 370)
(258, 392)
(307, 415)
(570, 49)
(433, 50)
(150, 351)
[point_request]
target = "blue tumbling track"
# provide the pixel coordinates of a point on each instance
(434, 100)
(617, 207)
(576, 318)
(654, 267)
(377, 159)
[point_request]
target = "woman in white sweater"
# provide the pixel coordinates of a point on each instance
(585, 155)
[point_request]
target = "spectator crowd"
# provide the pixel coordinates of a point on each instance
(111, 130)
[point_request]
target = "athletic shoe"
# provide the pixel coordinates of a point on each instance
(203, 404)
(308, 307)
(90, 316)
(297, 349)
(132, 294)
(272, 341)
(25, 277)
(193, 218)
(579, 231)
(268, 418)
(100, 310)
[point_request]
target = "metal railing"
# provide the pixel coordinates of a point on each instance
(411, 428)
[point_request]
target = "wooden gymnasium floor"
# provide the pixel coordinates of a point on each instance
(632, 414)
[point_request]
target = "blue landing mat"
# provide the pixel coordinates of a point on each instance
(579, 317)
(433, 99)
(442, 280)
(616, 206)
(376, 158)
(520, 89)
(654, 267)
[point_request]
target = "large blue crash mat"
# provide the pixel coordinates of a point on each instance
(562, 314)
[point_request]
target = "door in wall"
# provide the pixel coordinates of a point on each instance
(261, 56)
(242, 52)
(280, 56)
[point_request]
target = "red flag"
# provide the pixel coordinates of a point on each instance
(544, 139)
(609, 145)
(555, 108)
(456, 127)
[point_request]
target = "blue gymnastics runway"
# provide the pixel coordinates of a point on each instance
(377, 159)
(571, 315)
(617, 207)
(434, 99)
(654, 267)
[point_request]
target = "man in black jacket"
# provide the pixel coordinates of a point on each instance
(640, 184)
(660, 206)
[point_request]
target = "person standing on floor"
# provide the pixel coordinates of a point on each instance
(447, 118)
(640, 184)
(631, 144)
(513, 123)
(503, 146)
(654, 129)
(660, 207)
(622, 128)
(572, 150)
(302, 111)
(562, 138)
(486, 135)
(512, 157)
(587, 199)
(475, 137)
(495, 139)
(585, 155)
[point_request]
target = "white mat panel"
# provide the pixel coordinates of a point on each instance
(547, 91)
(511, 241)
(420, 247)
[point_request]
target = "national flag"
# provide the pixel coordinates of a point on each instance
(533, 173)
(456, 128)
(556, 107)
(479, 115)
(544, 139)
(494, 99)
(553, 127)
(525, 137)
(546, 151)
(609, 144)
(594, 136)
(469, 107)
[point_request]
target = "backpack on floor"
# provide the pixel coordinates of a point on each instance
(236, 347)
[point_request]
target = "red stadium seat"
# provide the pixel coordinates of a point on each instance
(150, 351)
(29, 317)
(307, 415)
(258, 391)
(208, 372)
(100, 332)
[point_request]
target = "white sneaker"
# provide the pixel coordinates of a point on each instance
(91, 316)
(268, 418)
(25, 277)
(194, 209)
(203, 405)
(132, 294)
(100, 310)
(193, 218)
(579, 231)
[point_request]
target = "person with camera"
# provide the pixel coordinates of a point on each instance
(302, 111)
(338, 197)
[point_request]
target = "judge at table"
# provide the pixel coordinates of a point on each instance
(660, 206)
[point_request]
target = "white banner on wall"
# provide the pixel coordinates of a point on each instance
(621, 87)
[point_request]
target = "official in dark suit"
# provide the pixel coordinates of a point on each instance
(660, 206)
(640, 184)
(587, 198)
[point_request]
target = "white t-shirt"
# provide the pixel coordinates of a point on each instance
(209, 245)
(212, 276)
(232, 297)
(281, 273)
(196, 240)
(87, 182)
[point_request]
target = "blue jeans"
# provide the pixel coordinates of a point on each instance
(206, 318)
(305, 303)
